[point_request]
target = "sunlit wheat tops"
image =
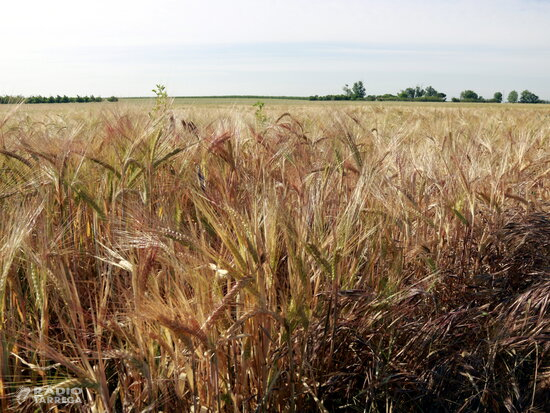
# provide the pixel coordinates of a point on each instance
(276, 259)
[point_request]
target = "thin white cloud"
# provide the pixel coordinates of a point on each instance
(132, 22)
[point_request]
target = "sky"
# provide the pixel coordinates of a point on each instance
(269, 47)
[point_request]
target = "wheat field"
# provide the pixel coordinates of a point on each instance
(302, 257)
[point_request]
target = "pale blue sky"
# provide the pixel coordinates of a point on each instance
(270, 47)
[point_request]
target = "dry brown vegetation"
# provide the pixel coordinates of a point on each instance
(336, 258)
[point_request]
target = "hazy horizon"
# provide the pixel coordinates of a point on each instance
(297, 48)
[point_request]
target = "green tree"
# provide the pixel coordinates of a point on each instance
(497, 97)
(430, 91)
(469, 95)
(358, 90)
(426, 95)
(419, 92)
(347, 91)
(513, 97)
(528, 97)
(409, 93)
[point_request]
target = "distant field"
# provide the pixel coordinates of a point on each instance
(225, 103)
(300, 102)
(308, 256)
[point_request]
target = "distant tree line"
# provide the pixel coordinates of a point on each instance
(358, 92)
(526, 97)
(429, 94)
(471, 96)
(513, 97)
(54, 99)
